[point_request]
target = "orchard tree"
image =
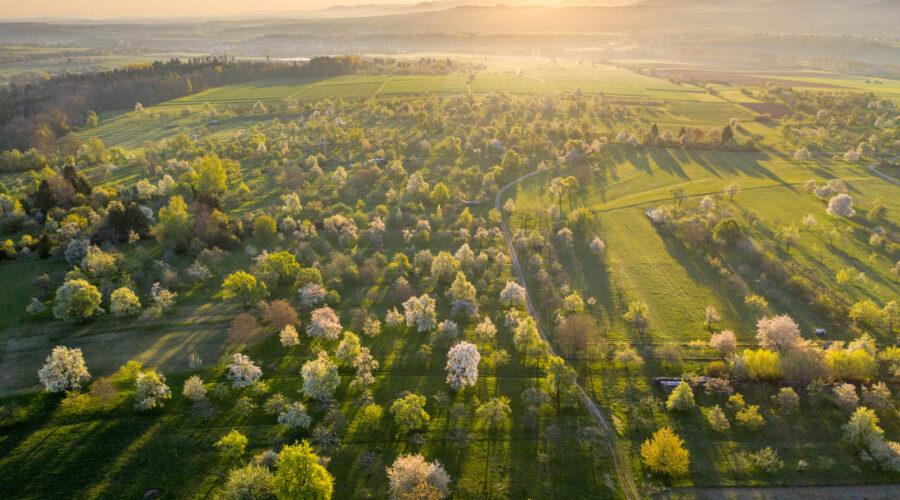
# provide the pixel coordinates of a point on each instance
(242, 372)
(150, 390)
(841, 206)
(637, 315)
(526, 336)
(443, 266)
(725, 342)
(320, 377)
(194, 390)
(175, 226)
(728, 230)
(76, 300)
(731, 190)
(265, 230)
(420, 313)
(63, 370)
(295, 416)
(562, 378)
(411, 477)
(866, 312)
(300, 476)
(486, 329)
(289, 336)
(365, 364)
(279, 268)
(778, 333)
(312, 294)
(409, 412)
(244, 287)
(394, 319)
(124, 302)
(494, 413)
(462, 365)
(461, 289)
(863, 429)
(211, 177)
(324, 322)
(348, 349)
(279, 314)
(251, 481)
(232, 445)
(628, 357)
(664, 453)
(682, 398)
(710, 315)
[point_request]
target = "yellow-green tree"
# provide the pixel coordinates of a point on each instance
(175, 226)
(664, 453)
(244, 287)
(300, 477)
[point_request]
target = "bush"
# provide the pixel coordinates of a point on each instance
(716, 369)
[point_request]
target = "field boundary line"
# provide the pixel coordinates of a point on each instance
(383, 85)
(626, 481)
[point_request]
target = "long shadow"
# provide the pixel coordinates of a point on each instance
(667, 162)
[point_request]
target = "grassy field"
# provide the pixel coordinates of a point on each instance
(677, 283)
(119, 453)
(772, 191)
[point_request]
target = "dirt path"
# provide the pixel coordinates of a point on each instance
(881, 174)
(626, 481)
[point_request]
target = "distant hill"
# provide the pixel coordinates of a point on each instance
(460, 17)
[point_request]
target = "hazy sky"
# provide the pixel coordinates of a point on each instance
(166, 7)
(114, 8)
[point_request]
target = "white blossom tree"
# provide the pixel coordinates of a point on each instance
(289, 336)
(707, 203)
(324, 322)
(194, 389)
(841, 206)
(448, 329)
(291, 204)
(294, 416)
(512, 294)
(242, 372)
(393, 318)
(312, 294)
(486, 329)
(725, 342)
(462, 365)
(778, 333)
(410, 476)
(150, 390)
(63, 370)
(320, 377)
(420, 313)
(597, 245)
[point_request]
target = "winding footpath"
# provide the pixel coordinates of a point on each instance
(626, 481)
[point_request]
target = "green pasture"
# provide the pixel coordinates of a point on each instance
(657, 267)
